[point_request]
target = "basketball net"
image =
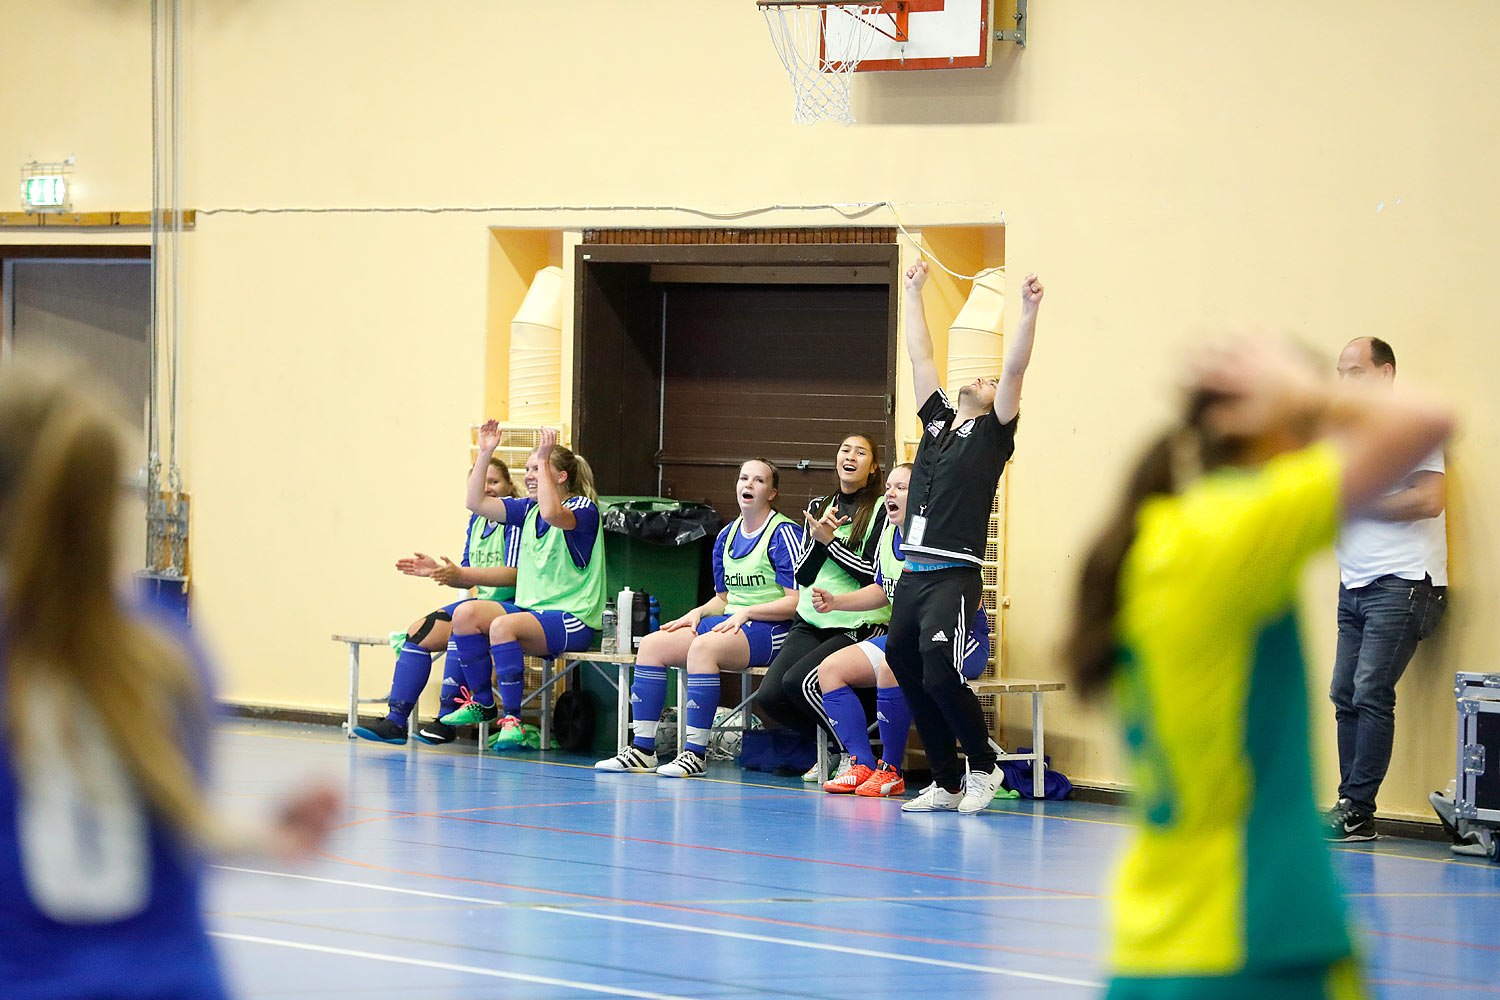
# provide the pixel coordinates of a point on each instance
(821, 63)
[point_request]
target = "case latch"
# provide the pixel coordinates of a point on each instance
(1473, 758)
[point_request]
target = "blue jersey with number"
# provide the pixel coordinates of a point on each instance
(99, 901)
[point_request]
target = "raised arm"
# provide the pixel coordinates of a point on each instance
(549, 500)
(924, 371)
(1018, 353)
(1382, 435)
(492, 508)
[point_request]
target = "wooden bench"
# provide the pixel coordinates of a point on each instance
(354, 642)
(990, 686)
(1016, 685)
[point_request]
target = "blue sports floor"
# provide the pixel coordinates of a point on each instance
(467, 877)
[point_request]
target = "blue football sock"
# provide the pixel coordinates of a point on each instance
(474, 658)
(413, 664)
(894, 718)
(848, 718)
(453, 678)
(510, 674)
(702, 701)
(648, 693)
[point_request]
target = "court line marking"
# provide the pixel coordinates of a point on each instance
(596, 900)
(453, 897)
(1041, 977)
(1367, 852)
(753, 854)
(449, 967)
(1466, 987)
(463, 753)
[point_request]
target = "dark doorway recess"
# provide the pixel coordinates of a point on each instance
(690, 359)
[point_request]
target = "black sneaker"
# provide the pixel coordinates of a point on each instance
(436, 733)
(382, 731)
(1346, 823)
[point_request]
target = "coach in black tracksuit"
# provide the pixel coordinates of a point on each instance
(957, 469)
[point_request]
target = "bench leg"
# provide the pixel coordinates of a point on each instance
(1039, 765)
(546, 726)
(823, 755)
(353, 690)
(622, 705)
(484, 738)
(681, 709)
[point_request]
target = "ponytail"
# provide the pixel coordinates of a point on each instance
(63, 627)
(580, 474)
(1168, 466)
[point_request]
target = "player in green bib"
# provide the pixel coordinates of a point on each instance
(742, 625)
(862, 666)
(559, 601)
(1186, 611)
(488, 566)
(838, 554)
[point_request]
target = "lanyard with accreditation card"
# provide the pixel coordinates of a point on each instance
(916, 524)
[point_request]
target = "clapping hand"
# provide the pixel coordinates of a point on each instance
(418, 564)
(447, 573)
(822, 528)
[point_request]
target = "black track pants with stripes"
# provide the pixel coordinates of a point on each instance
(930, 620)
(789, 693)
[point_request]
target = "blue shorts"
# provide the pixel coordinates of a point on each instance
(976, 653)
(764, 637)
(565, 632)
(509, 607)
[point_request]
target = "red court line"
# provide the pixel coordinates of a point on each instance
(1428, 940)
(1466, 987)
(680, 908)
(452, 813)
(776, 857)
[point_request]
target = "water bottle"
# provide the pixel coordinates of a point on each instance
(655, 615)
(609, 640)
(624, 633)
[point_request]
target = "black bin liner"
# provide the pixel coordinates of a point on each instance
(670, 524)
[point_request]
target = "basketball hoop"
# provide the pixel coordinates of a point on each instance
(820, 62)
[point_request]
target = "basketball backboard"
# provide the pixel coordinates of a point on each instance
(940, 34)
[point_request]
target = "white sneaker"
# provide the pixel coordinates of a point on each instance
(979, 790)
(845, 762)
(933, 798)
(686, 765)
(630, 758)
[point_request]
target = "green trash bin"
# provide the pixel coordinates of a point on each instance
(664, 548)
(659, 546)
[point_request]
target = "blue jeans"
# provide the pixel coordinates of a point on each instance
(1379, 627)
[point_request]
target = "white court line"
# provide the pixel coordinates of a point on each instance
(842, 949)
(691, 929)
(365, 885)
(449, 967)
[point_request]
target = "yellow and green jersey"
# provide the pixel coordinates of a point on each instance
(1227, 871)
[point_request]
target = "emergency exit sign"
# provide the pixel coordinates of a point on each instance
(44, 191)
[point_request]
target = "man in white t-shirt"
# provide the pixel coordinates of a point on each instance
(1393, 586)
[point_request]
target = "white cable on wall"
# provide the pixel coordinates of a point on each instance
(849, 210)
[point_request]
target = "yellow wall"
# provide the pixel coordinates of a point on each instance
(1166, 171)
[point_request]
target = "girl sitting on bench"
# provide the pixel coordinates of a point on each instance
(488, 565)
(742, 625)
(559, 602)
